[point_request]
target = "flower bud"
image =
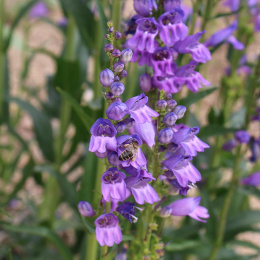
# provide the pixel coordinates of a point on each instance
(109, 95)
(117, 88)
(170, 118)
(120, 127)
(123, 73)
(113, 158)
(229, 145)
(161, 148)
(116, 111)
(116, 53)
(171, 103)
(117, 78)
(118, 35)
(165, 135)
(242, 136)
(109, 47)
(165, 212)
(106, 77)
(161, 104)
(179, 111)
(126, 55)
(145, 82)
(110, 29)
(168, 95)
(118, 66)
(85, 209)
(130, 122)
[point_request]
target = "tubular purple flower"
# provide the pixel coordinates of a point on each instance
(161, 104)
(116, 111)
(139, 111)
(103, 136)
(144, 38)
(116, 53)
(189, 207)
(127, 210)
(117, 88)
(162, 62)
(172, 27)
(170, 118)
(126, 55)
(171, 4)
(85, 209)
(39, 10)
(242, 136)
(165, 212)
(190, 44)
(140, 189)
(131, 25)
(118, 66)
(108, 231)
(179, 111)
(113, 185)
(178, 188)
(130, 122)
(145, 82)
(166, 83)
(106, 77)
(113, 158)
(165, 135)
(252, 180)
(101, 155)
(143, 57)
(120, 127)
(229, 145)
(145, 7)
(146, 132)
(255, 149)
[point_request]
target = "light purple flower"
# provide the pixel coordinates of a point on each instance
(242, 136)
(139, 187)
(143, 57)
(85, 209)
(165, 135)
(166, 83)
(189, 207)
(39, 10)
(171, 4)
(108, 231)
(103, 136)
(252, 180)
(117, 111)
(145, 7)
(190, 44)
(229, 145)
(144, 38)
(172, 27)
(189, 141)
(113, 185)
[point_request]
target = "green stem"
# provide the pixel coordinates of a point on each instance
(194, 16)
(116, 13)
(206, 16)
(2, 56)
(92, 246)
(226, 206)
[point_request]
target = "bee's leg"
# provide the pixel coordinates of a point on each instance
(129, 161)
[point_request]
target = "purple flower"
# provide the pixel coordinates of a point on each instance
(138, 109)
(116, 111)
(118, 66)
(39, 10)
(144, 38)
(126, 145)
(255, 149)
(186, 75)
(225, 35)
(143, 57)
(103, 136)
(113, 185)
(171, 4)
(170, 118)
(242, 136)
(189, 207)
(180, 111)
(106, 77)
(189, 141)
(252, 180)
(229, 145)
(183, 170)
(190, 44)
(232, 4)
(85, 209)
(145, 82)
(162, 62)
(63, 22)
(120, 127)
(108, 231)
(175, 184)
(257, 22)
(126, 55)
(117, 88)
(145, 7)
(131, 25)
(172, 27)
(139, 187)
(113, 158)
(165, 135)
(127, 210)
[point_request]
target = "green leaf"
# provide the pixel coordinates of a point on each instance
(245, 244)
(196, 97)
(250, 190)
(43, 232)
(67, 188)
(4, 213)
(42, 127)
(87, 225)
(215, 130)
(86, 120)
(182, 245)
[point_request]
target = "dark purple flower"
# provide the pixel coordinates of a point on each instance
(127, 210)
(255, 149)
(39, 10)
(123, 74)
(116, 53)
(130, 122)
(108, 231)
(166, 83)
(118, 35)
(144, 38)
(165, 135)
(109, 95)
(189, 207)
(190, 44)
(117, 88)
(106, 77)
(125, 145)
(162, 62)
(109, 47)
(171, 4)
(113, 158)
(139, 187)
(126, 55)
(120, 127)
(172, 27)
(229, 145)
(113, 185)
(145, 7)
(242, 136)
(252, 180)
(118, 66)
(103, 136)
(85, 209)
(131, 25)
(145, 82)
(189, 141)
(116, 111)
(170, 118)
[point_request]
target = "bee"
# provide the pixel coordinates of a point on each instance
(130, 152)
